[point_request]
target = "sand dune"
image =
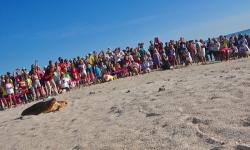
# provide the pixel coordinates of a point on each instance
(198, 107)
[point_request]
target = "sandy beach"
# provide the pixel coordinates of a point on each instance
(197, 107)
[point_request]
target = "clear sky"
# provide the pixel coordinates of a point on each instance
(47, 29)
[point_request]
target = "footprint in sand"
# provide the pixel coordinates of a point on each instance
(230, 77)
(242, 147)
(196, 120)
(152, 114)
(115, 110)
(165, 125)
(92, 93)
(106, 148)
(246, 122)
(78, 147)
(150, 82)
(161, 89)
(128, 91)
(213, 97)
(153, 99)
(73, 120)
(246, 84)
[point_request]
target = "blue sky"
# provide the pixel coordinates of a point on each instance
(47, 29)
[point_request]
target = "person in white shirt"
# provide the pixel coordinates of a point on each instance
(200, 47)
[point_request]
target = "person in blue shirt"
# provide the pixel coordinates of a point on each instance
(98, 73)
(142, 51)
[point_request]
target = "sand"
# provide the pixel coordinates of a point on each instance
(197, 107)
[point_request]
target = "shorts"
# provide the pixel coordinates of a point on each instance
(202, 53)
(10, 91)
(36, 84)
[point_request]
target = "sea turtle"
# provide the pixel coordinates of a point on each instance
(44, 107)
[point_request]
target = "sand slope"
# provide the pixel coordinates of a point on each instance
(198, 107)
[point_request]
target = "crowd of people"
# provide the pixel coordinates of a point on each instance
(63, 75)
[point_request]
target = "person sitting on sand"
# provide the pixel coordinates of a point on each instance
(235, 51)
(118, 70)
(64, 83)
(165, 63)
(189, 60)
(146, 64)
(136, 68)
(171, 55)
(108, 77)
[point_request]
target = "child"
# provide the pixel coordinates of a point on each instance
(31, 91)
(107, 77)
(189, 60)
(23, 88)
(235, 51)
(75, 76)
(165, 63)
(83, 73)
(136, 68)
(64, 83)
(146, 65)
(98, 73)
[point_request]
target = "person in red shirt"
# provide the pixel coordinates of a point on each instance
(75, 76)
(63, 66)
(49, 80)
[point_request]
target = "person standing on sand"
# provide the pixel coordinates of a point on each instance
(248, 40)
(200, 46)
(210, 45)
(156, 59)
(244, 50)
(10, 92)
(171, 55)
(216, 49)
(182, 51)
(151, 48)
(142, 50)
(3, 93)
(75, 75)
(36, 84)
(49, 79)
